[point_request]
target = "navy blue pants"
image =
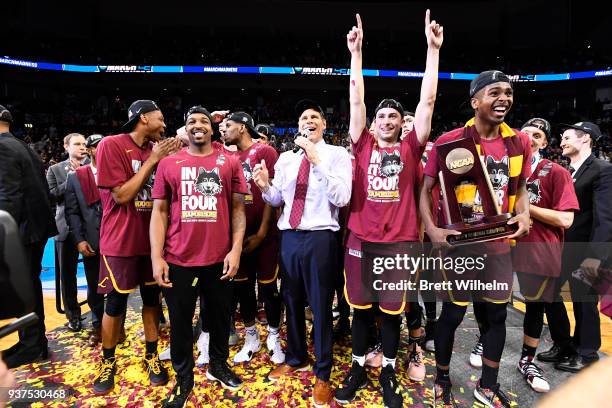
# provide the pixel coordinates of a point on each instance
(308, 260)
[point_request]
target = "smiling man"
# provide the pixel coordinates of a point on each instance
(507, 154)
(386, 174)
(197, 230)
(126, 164)
(537, 257)
(311, 185)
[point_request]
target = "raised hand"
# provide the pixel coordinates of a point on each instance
(261, 176)
(165, 148)
(433, 32)
(354, 38)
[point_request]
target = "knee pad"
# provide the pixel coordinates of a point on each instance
(452, 314)
(150, 295)
(116, 304)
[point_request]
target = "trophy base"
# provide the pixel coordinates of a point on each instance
(488, 229)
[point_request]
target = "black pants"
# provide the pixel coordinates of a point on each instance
(587, 333)
(33, 337)
(187, 284)
(94, 299)
(66, 259)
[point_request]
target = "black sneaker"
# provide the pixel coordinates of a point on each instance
(180, 393)
(552, 355)
(443, 396)
(354, 381)
(158, 375)
(491, 397)
(392, 395)
(220, 371)
(105, 380)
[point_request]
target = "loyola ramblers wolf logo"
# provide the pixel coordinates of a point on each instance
(533, 189)
(208, 183)
(247, 171)
(391, 164)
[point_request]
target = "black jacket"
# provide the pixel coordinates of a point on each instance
(83, 220)
(593, 223)
(23, 190)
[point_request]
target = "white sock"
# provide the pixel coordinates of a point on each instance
(359, 359)
(251, 331)
(386, 361)
(273, 331)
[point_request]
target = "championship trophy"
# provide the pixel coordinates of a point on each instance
(469, 202)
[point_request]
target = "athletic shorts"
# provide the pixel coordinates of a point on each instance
(262, 263)
(488, 279)
(537, 288)
(124, 274)
(363, 288)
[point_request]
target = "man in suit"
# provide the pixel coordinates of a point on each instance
(83, 215)
(24, 195)
(587, 243)
(66, 253)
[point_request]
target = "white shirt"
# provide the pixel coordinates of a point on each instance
(579, 163)
(535, 159)
(329, 187)
(94, 171)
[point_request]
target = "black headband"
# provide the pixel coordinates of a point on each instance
(487, 78)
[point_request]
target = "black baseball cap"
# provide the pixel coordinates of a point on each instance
(93, 140)
(487, 78)
(538, 123)
(390, 103)
(136, 109)
(247, 120)
(264, 128)
(198, 109)
(306, 104)
(587, 127)
(5, 115)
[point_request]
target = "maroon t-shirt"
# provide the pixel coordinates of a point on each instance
(199, 190)
(550, 186)
(496, 159)
(125, 228)
(253, 203)
(383, 207)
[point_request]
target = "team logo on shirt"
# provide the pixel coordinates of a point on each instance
(247, 171)
(208, 182)
(143, 200)
(391, 164)
(383, 176)
(199, 188)
(248, 176)
(499, 175)
(533, 189)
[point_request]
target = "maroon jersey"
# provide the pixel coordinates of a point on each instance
(383, 207)
(496, 159)
(550, 186)
(124, 230)
(253, 203)
(199, 190)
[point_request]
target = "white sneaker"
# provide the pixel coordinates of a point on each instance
(251, 346)
(165, 355)
(476, 355)
(533, 375)
(277, 355)
(202, 346)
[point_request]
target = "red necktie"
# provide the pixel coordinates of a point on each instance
(299, 198)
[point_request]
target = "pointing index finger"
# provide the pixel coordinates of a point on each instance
(359, 25)
(427, 19)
